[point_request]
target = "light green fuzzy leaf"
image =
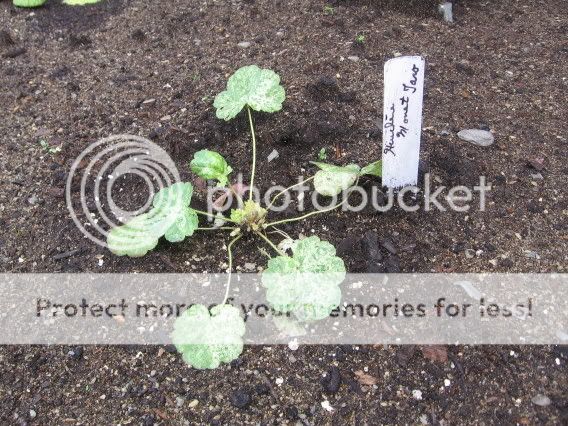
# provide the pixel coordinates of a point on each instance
(331, 180)
(207, 339)
(29, 3)
(258, 88)
(307, 283)
(80, 2)
(210, 165)
(135, 238)
(373, 169)
(170, 217)
(184, 226)
(171, 208)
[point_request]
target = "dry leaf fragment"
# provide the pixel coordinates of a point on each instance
(365, 379)
(436, 353)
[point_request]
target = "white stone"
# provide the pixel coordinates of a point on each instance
(477, 137)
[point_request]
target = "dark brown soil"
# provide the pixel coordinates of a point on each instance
(71, 76)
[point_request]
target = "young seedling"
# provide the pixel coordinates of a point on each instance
(322, 154)
(360, 39)
(328, 10)
(205, 337)
(48, 148)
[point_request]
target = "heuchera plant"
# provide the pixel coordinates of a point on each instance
(205, 337)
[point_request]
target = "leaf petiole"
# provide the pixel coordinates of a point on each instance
(286, 190)
(212, 215)
(270, 243)
(230, 255)
(294, 219)
(251, 188)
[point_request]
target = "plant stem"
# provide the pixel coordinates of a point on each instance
(253, 153)
(230, 254)
(294, 219)
(270, 243)
(212, 215)
(286, 190)
(222, 228)
(279, 231)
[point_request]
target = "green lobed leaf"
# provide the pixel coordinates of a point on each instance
(207, 339)
(373, 169)
(307, 283)
(170, 217)
(29, 3)
(135, 238)
(178, 221)
(331, 180)
(258, 88)
(210, 165)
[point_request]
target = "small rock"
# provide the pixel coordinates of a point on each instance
(470, 253)
(244, 44)
(273, 155)
(417, 394)
(389, 246)
(292, 413)
(33, 414)
(76, 353)
(531, 254)
(353, 58)
(332, 381)
(477, 137)
(371, 245)
(537, 176)
(392, 265)
(279, 381)
(193, 403)
(327, 406)
(537, 164)
(446, 9)
(262, 389)
(180, 401)
(166, 118)
(149, 101)
(541, 400)
(250, 266)
(293, 345)
(280, 34)
(33, 200)
(241, 398)
(14, 53)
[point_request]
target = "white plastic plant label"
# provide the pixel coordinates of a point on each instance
(402, 120)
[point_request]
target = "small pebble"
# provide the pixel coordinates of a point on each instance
(477, 137)
(193, 403)
(417, 394)
(273, 155)
(541, 400)
(241, 398)
(279, 381)
(327, 406)
(244, 44)
(33, 414)
(353, 58)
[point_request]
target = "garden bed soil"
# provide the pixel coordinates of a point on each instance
(71, 76)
